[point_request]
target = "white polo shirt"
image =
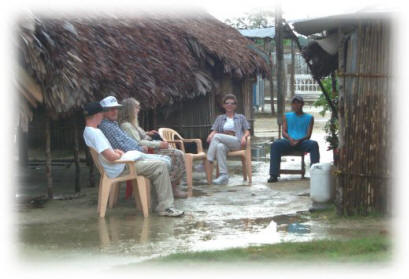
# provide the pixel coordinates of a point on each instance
(96, 139)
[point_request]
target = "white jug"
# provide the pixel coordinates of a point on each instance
(322, 183)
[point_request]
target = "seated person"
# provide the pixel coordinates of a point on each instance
(230, 131)
(129, 123)
(297, 130)
(116, 136)
(156, 171)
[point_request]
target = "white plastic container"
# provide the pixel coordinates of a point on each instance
(322, 183)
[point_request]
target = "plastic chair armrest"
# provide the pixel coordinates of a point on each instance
(180, 142)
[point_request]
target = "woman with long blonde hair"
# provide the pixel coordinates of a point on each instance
(128, 119)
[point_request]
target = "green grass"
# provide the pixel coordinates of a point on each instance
(368, 249)
(331, 216)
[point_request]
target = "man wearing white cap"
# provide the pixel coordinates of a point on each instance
(117, 137)
(109, 126)
(155, 169)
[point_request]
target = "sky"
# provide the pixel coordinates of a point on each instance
(221, 9)
(295, 9)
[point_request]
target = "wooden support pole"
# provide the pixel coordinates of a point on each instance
(48, 170)
(280, 65)
(333, 117)
(292, 69)
(76, 154)
(22, 147)
(91, 168)
(270, 77)
(267, 49)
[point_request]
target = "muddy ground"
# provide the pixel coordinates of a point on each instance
(216, 217)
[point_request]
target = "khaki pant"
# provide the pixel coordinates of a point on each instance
(219, 146)
(158, 174)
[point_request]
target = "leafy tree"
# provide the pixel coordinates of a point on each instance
(255, 19)
(322, 101)
(331, 127)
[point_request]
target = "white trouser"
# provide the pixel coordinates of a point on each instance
(219, 146)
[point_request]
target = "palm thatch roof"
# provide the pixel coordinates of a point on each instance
(157, 59)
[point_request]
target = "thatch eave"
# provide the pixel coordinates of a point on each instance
(154, 59)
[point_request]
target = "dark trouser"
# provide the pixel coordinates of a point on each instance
(282, 146)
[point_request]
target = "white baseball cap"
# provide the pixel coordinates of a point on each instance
(110, 102)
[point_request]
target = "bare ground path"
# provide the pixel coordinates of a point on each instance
(217, 217)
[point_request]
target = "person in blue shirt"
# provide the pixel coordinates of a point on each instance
(297, 130)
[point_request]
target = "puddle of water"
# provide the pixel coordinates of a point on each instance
(298, 228)
(216, 217)
(224, 222)
(130, 235)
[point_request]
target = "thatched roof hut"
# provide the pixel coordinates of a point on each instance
(157, 59)
(176, 65)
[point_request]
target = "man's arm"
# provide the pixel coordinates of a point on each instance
(285, 133)
(285, 130)
(112, 155)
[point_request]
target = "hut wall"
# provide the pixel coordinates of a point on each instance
(243, 90)
(62, 139)
(246, 89)
(191, 118)
(194, 118)
(365, 119)
(229, 86)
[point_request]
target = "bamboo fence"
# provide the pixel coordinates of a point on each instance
(365, 121)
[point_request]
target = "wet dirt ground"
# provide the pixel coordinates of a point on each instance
(216, 217)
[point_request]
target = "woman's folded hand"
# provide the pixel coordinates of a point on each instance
(243, 141)
(209, 138)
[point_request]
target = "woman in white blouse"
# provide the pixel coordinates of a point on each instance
(229, 133)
